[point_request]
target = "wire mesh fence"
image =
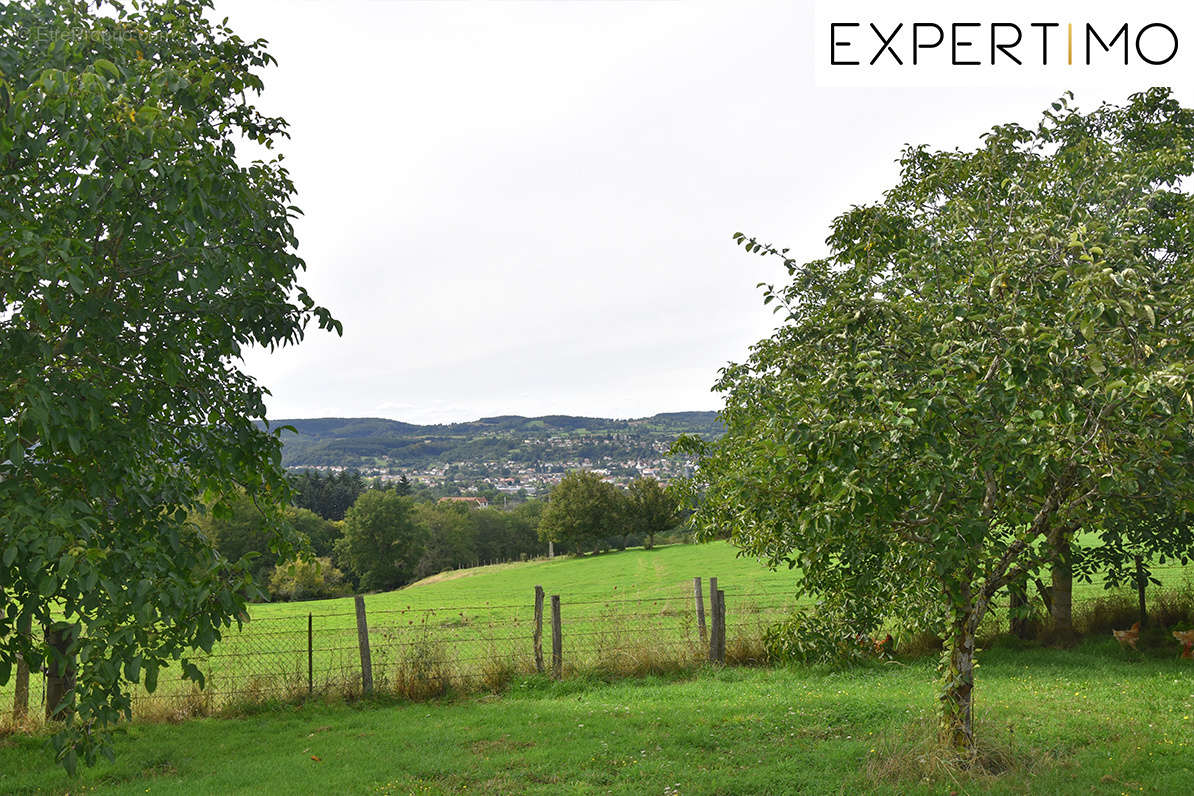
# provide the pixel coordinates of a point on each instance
(421, 652)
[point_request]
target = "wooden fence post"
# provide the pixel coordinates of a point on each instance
(700, 610)
(557, 639)
(363, 642)
(721, 626)
(1140, 584)
(310, 654)
(713, 628)
(60, 673)
(538, 637)
(712, 620)
(20, 694)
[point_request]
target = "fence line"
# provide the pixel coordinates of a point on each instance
(318, 653)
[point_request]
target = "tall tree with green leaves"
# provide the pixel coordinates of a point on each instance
(140, 255)
(243, 535)
(650, 509)
(451, 537)
(319, 533)
(988, 355)
(328, 496)
(382, 541)
(582, 512)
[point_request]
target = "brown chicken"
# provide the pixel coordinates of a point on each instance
(1127, 637)
(1186, 639)
(880, 646)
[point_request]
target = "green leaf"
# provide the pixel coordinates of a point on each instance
(193, 672)
(106, 67)
(132, 669)
(148, 114)
(151, 676)
(76, 284)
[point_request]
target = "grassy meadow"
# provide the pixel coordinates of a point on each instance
(635, 574)
(1091, 720)
(458, 623)
(627, 612)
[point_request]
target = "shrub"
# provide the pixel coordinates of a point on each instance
(307, 580)
(424, 669)
(818, 637)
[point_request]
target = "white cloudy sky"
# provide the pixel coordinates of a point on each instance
(527, 207)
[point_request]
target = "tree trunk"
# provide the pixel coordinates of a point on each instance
(1046, 595)
(1062, 601)
(1017, 607)
(60, 673)
(20, 699)
(650, 540)
(957, 695)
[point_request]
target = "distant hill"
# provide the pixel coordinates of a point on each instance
(373, 442)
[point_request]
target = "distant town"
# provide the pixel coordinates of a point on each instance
(508, 456)
(511, 477)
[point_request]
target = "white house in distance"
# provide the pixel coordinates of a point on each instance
(475, 502)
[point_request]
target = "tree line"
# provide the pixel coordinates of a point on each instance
(372, 537)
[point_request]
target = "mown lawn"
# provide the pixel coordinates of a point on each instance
(1091, 720)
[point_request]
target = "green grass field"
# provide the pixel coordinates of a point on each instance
(469, 618)
(1096, 719)
(1091, 720)
(462, 622)
(636, 573)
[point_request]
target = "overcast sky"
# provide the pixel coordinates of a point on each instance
(527, 207)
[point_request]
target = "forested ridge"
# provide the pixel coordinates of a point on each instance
(356, 442)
